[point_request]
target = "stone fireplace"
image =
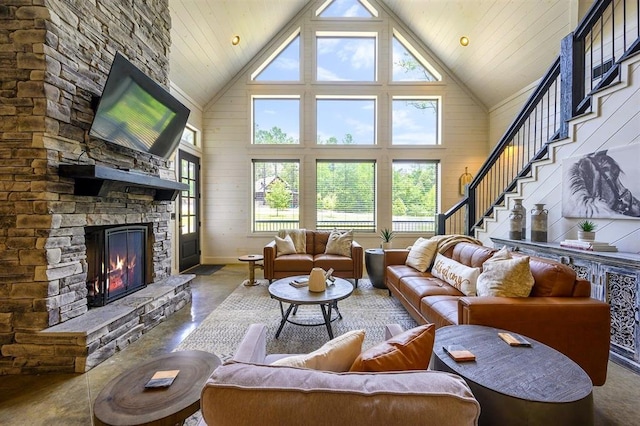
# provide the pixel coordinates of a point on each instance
(56, 56)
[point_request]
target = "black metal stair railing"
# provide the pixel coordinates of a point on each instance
(589, 61)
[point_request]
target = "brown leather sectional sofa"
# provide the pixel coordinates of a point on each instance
(559, 311)
(288, 265)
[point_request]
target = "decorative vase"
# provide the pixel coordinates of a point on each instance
(539, 223)
(586, 236)
(515, 225)
(386, 245)
(317, 282)
(518, 207)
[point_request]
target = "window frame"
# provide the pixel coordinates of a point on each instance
(294, 223)
(254, 98)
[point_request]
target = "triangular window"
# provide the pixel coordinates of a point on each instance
(408, 64)
(283, 64)
(346, 9)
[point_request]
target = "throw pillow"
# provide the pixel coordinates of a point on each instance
(458, 275)
(339, 243)
(284, 246)
(421, 254)
(298, 236)
(506, 276)
(410, 350)
(336, 355)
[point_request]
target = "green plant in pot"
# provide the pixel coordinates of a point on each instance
(587, 230)
(386, 235)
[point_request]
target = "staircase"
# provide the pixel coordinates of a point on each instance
(586, 102)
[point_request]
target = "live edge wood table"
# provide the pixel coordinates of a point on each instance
(534, 385)
(125, 401)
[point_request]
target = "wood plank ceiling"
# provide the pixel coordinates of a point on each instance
(520, 36)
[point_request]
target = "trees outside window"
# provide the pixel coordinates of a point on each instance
(414, 193)
(276, 187)
(345, 192)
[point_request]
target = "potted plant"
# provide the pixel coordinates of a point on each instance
(586, 231)
(387, 235)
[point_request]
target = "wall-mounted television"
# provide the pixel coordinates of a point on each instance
(136, 112)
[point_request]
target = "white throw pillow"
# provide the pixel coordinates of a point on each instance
(284, 246)
(421, 254)
(339, 243)
(336, 355)
(505, 276)
(458, 275)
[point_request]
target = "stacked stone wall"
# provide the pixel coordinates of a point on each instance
(55, 56)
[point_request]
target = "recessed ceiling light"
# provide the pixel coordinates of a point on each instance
(235, 40)
(464, 41)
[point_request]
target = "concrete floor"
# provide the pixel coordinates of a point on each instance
(67, 399)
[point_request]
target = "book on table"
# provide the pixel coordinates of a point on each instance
(162, 379)
(514, 339)
(300, 282)
(588, 245)
(459, 353)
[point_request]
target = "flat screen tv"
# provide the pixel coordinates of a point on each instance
(136, 112)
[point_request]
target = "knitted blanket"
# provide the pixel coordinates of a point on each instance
(445, 242)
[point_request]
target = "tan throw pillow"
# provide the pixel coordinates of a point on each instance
(421, 254)
(298, 236)
(410, 350)
(336, 355)
(284, 246)
(505, 276)
(339, 243)
(458, 275)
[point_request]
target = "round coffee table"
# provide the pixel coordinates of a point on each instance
(284, 292)
(534, 385)
(125, 400)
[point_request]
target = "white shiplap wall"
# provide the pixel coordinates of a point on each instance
(614, 122)
(227, 151)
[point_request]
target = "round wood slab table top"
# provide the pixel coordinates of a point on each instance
(125, 400)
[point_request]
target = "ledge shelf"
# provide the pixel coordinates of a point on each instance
(90, 180)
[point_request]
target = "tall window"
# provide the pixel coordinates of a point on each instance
(283, 64)
(343, 91)
(346, 121)
(345, 57)
(276, 120)
(188, 136)
(414, 193)
(346, 193)
(415, 120)
(276, 195)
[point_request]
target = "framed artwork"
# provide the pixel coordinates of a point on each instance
(602, 184)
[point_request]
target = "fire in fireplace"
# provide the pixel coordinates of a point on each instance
(117, 262)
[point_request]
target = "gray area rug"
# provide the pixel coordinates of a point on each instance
(368, 308)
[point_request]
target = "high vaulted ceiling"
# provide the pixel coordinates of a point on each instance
(513, 42)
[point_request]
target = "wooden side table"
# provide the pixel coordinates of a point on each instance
(252, 259)
(125, 400)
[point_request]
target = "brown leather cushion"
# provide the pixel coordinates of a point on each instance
(337, 262)
(320, 239)
(293, 263)
(551, 278)
(471, 255)
(410, 350)
(396, 272)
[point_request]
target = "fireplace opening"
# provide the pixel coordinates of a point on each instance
(117, 262)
